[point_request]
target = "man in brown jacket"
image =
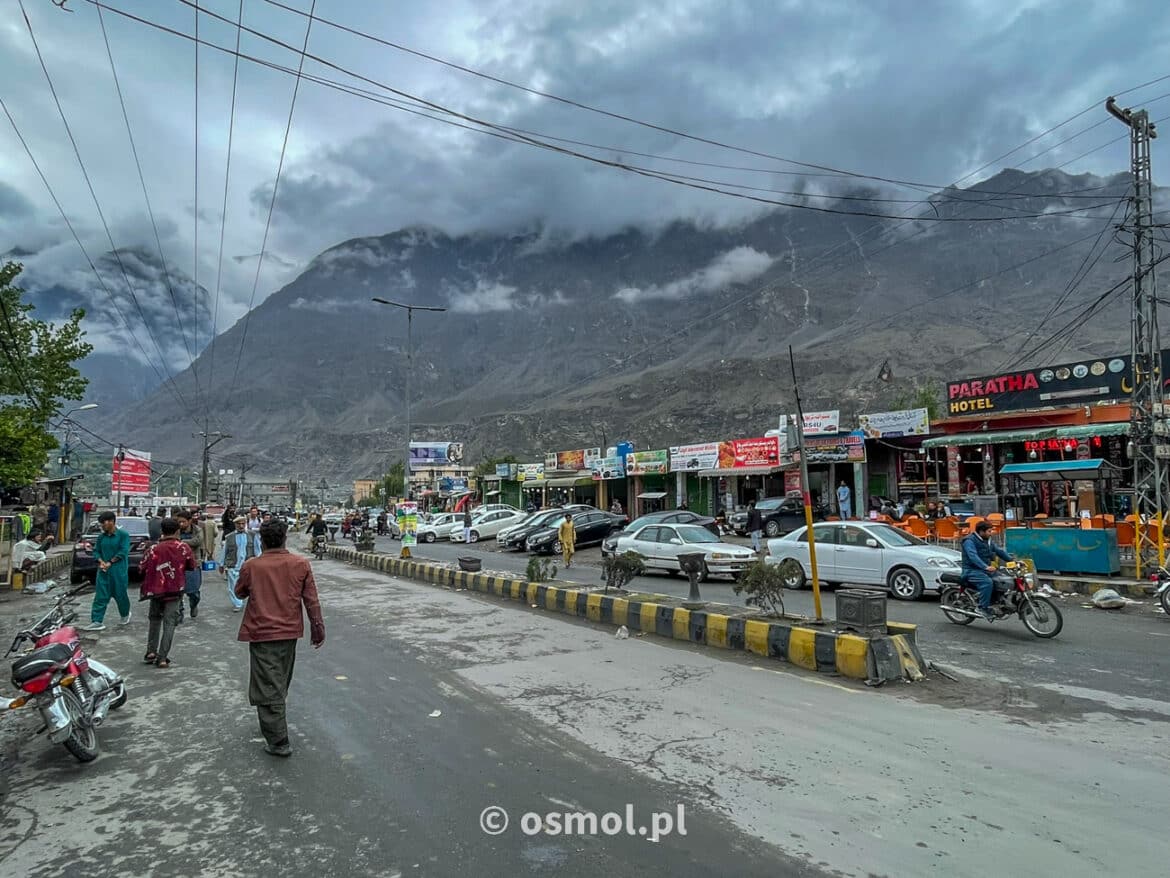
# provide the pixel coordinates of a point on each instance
(276, 584)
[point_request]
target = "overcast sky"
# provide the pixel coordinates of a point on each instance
(925, 91)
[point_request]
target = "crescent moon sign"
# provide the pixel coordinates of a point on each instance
(1126, 387)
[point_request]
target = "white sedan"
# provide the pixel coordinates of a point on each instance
(485, 525)
(864, 553)
(438, 527)
(661, 544)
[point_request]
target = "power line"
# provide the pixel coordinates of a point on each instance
(145, 192)
(275, 184)
(89, 183)
(226, 178)
(195, 217)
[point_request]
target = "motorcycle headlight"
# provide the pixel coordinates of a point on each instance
(941, 562)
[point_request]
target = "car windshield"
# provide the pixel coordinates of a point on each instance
(136, 527)
(765, 505)
(891, 536)
(692, 533)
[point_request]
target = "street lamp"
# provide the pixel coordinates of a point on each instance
(68, 424)
(410, 309)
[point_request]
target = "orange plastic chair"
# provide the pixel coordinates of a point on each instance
(969, 524)
(1126, 534)
(995, 517)
(947, 531)
(918, 528)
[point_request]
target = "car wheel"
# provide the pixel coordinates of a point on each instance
(430, 537)
(473, 537)
(556, 547)
(905, 584)
(704, 573)
(793, 574)
(772, 528)
(76, 577)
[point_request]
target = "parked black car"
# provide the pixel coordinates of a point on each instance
(85, 565)
(518, 536)
(781, 515)
(592, 528)
(669, 516)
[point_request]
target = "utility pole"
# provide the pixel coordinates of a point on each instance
(244, 468)
(208, 444)
(119, 457)
(808, 510)
(1148, 439)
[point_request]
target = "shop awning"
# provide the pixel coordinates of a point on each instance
(1058, 470)
(534, 485)
(492, 494)
(740, 471)
(652, 495)
(1084, 431)
(569, 482)
(991, 437)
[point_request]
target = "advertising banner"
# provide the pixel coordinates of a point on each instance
(408, 522)
(909, 422)
(749, 453)
(842, 448)
(424, 455)
(571, 461)
(647, 463)
(821, 423)
(550, 460)
(506, 470)
(449, 485)
(530, 472)
(608, 468)
(1104, 379)
(692, 458)
(132, 474)
(591, 454)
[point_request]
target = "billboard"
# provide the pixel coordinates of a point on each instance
(131, 475)
(424, 455)
(749, 453)
(1096, 379)
(909, 422)
(530, 472)
(821, 423)
(843, 448)
(646, 463)
(573, 461)
(506, 470)
(607, 468)
(692, 458)
(591, 454)
(407, 515)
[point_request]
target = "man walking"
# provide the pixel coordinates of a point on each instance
(225, 523)
(755, 526)
(467, 525)
(238, 548)
(843, 504)
(567, 534)
(111, 550)
(190, 534)
(207, 523)
(276, 585)
(163, 581)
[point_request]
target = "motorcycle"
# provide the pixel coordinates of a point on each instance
(73, 692)
(319, 546)
(1161, 581)
(1014, 594)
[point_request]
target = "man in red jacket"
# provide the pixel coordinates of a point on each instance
(164, 569)
(276, 585)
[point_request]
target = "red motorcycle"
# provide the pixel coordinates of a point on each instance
(72, 691)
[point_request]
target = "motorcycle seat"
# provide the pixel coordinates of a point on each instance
(953, 578)
(37, 662)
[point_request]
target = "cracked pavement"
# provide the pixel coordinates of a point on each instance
(782, 772)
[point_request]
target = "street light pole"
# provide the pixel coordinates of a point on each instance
(68, 424)
(208, 444)
(410, 309)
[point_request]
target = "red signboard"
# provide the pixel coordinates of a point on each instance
(1068, 445)
(131, 474)
(740, 453)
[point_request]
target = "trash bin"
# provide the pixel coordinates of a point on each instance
(861, 611)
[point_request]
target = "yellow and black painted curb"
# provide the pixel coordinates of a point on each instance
(873, 659)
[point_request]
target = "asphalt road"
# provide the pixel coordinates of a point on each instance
(781, 772)
(1106, 655)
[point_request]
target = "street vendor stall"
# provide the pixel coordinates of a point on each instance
(1066, 545)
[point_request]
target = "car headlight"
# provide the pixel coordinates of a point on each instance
(721, 556)
(941, 562)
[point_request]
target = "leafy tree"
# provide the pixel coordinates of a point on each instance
(37, 376)
(926, 395)
(488, 467)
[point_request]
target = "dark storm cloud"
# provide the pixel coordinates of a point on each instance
(920, 91)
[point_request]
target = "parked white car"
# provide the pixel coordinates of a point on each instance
(438, 527)
(485, 525)
(864, 553)
(661, 544)
(494, 507)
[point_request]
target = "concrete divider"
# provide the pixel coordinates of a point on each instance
(877, 659)
(45, 570)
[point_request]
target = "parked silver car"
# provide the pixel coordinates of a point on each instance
(661, 544)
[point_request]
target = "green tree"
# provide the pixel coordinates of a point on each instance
(488, 467)
(391, 484)
(37, 376)
(925, 395)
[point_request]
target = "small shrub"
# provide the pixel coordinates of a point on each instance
(764, 584)
(619, 570)
(541, 569)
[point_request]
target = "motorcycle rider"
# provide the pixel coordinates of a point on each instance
(317, 528)
(978, 553)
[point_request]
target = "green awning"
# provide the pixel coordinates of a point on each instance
(1084, 431)
(990, 437)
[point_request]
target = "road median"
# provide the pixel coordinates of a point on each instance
(801, 642)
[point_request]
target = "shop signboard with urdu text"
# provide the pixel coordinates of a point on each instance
(408, 522)
(909, 422)
(425, 455)
(647, 463)
(842, 448)
(821, 423)
(1092, 380)
(607, 468)
(530, 472)
(131, 475)
(761, 452)
(591, 454)
(692, 458)
(506, 470)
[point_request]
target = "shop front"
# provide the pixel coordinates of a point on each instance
(609, 478)
(834, 460)
(745, 470)
(649, 488)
